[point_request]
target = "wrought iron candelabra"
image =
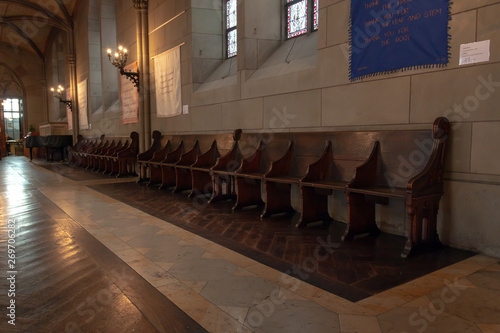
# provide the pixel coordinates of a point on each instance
(58, 94)
(119, 60)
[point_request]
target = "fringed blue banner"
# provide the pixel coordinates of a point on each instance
(388, 35)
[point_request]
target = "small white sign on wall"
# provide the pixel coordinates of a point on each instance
(474, 52)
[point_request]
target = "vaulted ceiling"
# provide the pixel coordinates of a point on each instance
(27, 24)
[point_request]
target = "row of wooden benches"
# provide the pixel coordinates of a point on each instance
(370, 167)
(115, 156)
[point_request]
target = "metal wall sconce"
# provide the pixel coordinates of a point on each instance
(119, 60)
(57, 94)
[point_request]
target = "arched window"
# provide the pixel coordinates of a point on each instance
(231, 34)
(302, 16)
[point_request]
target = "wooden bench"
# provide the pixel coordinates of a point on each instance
(343, 152)
(110, 155)
(143, 158)
(371, 167)
(103, 164)
(121, 162)
(77, 156)
(167, 171)
(72, 150)
(97, 156)
(190, 170)
(406, 165)
(91, 154)
(85, 154)
(250, 175)
(222, 172)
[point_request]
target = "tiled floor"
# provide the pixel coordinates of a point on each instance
(225, 291)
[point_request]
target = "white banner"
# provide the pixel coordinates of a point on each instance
(83, 105)
(168, 83)
(69, 113)
(130, 97)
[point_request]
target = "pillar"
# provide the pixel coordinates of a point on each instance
(141, 7)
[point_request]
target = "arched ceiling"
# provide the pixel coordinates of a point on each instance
(26, 24)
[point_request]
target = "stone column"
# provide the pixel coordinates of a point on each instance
(141, 7)
(73, 82)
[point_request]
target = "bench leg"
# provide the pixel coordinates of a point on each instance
(183, 180)
(360, 217)
(219, 183)
(422, 226)
(143, 172)
(122, 168)
(167, 177)
(314, 205)
(247, 192)
(154, 175)
(201, 183)
(107, 166)
(114, 168)
(277, 199)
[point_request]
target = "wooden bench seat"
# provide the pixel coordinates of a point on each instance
(333, 170)
(250, 175)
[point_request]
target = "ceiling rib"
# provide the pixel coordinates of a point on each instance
(23, 35)
(38, 8)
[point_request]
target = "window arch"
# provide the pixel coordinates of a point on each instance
(302, 17)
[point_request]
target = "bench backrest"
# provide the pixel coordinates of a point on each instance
(224, 141)
(402, 155)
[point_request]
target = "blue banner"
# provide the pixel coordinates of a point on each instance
(388, 35)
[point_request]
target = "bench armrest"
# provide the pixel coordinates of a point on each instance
(252, 163)
(229, 162)
(155, 146)
(190, 157)
(175, 155)
(319, 169)
(160, 154)
(430, 179)
(208, 158)
(366, 174)
(147, 155)
(281, 167)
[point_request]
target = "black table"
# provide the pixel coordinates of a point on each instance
(50, 142)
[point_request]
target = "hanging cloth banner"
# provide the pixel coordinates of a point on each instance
(130, 97)
(69, 113)
(83, 117)
(168, 83)
(388, 35)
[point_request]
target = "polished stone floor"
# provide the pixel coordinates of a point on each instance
(225, 291)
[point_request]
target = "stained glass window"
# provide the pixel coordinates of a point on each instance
(298, 13)
(232, 36)
(315, 15)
